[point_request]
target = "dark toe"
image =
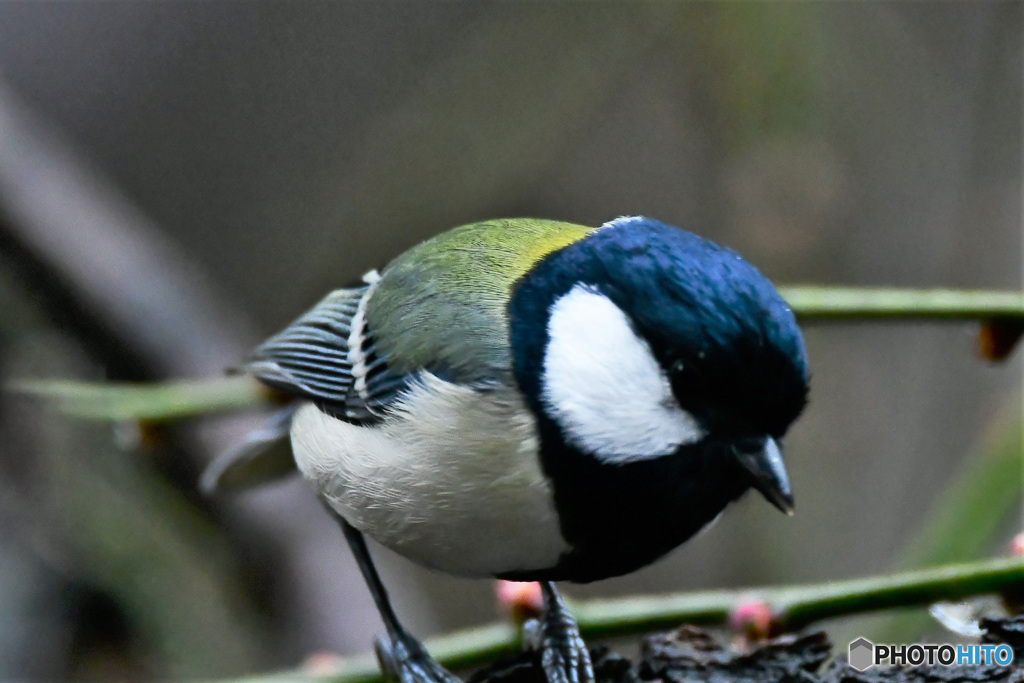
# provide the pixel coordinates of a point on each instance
(408, 662)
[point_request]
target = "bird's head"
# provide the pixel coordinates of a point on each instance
(642, 340)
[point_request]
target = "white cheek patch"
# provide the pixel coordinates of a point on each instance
(604, 387)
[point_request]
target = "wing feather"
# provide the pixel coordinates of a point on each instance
(327, 355)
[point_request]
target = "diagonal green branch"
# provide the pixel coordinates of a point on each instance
(793, 606)
(966, 518)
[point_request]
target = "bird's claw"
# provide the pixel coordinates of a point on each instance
(567, 661)
(406, 661)
(564, 655)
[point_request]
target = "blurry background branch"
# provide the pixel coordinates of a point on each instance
(140, 309)
(836, 304)
(105, 255)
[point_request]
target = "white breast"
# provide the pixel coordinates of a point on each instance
(451, 479)
(604, 387)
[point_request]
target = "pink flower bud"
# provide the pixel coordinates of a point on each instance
(520, 600)
(322, 664)
(1017, 545)
(752, 620)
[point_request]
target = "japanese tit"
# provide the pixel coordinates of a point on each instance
(537, 400)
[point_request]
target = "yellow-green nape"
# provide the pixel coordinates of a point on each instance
(550, 236)
(443, 304)
(503, 249)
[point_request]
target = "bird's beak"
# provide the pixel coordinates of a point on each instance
(764, 462)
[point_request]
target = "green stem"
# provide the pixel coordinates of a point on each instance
(864, 303)
(153, 401)
(922, 587)
(797, 606)
(794, 607)
(963, 521)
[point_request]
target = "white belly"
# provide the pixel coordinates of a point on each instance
(451, 479)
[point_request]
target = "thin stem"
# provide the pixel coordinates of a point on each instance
(822, 304)
(794, 607)
(151, 401)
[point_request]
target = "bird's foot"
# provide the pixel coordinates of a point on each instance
(564, 655)
(405, 660)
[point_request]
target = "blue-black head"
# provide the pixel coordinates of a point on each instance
(643, 341)
(727, 341)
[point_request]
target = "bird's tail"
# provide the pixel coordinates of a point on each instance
(263, 456)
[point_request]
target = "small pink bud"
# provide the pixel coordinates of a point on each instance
(752, 620)
(520, 600)
(1013, 598)
(1017, 545)
(322, 664)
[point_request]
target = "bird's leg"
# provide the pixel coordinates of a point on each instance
(401, 656)
(564, 655)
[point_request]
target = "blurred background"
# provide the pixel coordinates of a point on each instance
(180, 179)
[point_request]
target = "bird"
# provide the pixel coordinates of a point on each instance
(535, 400)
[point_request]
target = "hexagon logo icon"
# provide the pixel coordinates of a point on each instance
(862, 654)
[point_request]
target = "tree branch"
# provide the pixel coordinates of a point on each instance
(794, 607)
(838, 304)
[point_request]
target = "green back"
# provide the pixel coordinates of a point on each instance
(442, 305)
